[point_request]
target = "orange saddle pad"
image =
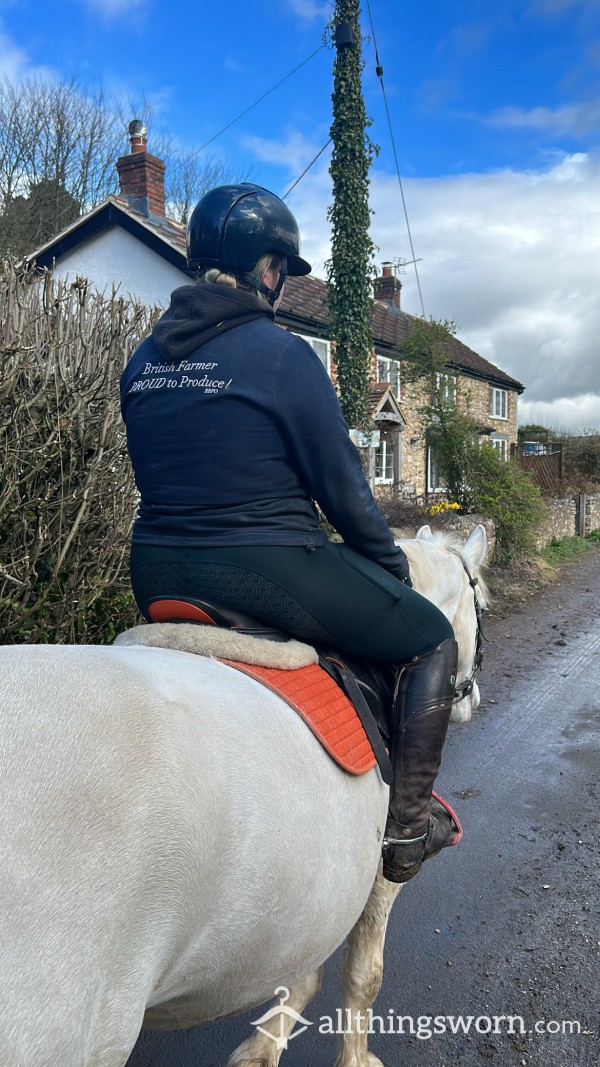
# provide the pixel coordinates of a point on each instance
(324, 707)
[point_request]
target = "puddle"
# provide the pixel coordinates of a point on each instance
(586, 722)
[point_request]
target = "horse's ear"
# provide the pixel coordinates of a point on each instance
(424, 534)
(476, 548)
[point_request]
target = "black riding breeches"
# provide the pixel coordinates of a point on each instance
(330, 594)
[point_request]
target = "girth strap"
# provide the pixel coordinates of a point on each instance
(350, 686)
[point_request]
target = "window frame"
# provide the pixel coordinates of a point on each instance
(393, 368)
(500, 444)
(321, 341)
(445, 383)
(430, 466)
(498, 394)
(388, 459)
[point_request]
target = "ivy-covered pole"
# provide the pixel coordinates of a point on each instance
(349, 271)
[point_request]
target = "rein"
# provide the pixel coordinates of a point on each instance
(466, 688)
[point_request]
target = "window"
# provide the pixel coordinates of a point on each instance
(384, 463)
(446, 386)
(498, 403)
(321, 348)
(388, 370)
(501, 446)
(435, 481)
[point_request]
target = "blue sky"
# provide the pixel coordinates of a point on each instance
(495, 110)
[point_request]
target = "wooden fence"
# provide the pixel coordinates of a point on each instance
(546, 469)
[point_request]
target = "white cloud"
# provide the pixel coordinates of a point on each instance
(115, 8)
(576, 413)
(309, 201)
(294, 151)
(16, 63)
(512, 257)
(310, 9)
(13, 59)
(574, 119)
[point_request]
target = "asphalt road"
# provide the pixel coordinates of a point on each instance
(507, 923)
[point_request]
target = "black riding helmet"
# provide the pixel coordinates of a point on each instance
(232, 226)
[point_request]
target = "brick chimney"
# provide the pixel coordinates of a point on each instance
(142, 176)
(387, 287)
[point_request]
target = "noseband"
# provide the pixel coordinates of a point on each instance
(465, 688)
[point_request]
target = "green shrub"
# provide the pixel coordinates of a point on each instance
(476, 476)
(481, 480)
(504, 491)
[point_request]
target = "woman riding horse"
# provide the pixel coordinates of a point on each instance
(235, 432)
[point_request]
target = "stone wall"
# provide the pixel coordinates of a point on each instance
(563, 519)
(560, 521)
(475, 397)
(592, 513)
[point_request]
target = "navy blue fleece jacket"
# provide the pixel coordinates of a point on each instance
(234, 429)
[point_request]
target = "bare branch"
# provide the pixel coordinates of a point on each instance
(68, 498)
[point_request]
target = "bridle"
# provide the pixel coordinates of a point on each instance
(465, 688)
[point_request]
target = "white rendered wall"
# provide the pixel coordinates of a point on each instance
(116, 257)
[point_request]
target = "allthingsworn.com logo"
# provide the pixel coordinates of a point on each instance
(281, 1024)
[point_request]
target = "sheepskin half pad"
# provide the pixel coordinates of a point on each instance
(221, 644)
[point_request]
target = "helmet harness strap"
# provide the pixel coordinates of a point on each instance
(271, 294)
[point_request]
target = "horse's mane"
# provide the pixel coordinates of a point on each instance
(449, 539)
(452, 541)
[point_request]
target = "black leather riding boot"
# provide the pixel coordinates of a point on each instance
(420, 714)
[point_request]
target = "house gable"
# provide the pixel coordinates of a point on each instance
(304, 307)
(151, 259)
(143, 276)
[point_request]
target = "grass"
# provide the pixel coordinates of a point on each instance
(568, 548)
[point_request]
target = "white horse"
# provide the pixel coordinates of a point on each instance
(176, 845)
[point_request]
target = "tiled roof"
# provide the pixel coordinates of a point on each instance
(376, 392)
(304, 307)
(305, 304)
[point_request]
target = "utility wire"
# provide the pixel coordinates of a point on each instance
(250, 106)
(379, 72)
(306, 169)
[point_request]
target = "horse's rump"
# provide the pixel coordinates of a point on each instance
(171, 806)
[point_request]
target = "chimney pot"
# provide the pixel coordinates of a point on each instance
(137, 135)
(141, 175)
